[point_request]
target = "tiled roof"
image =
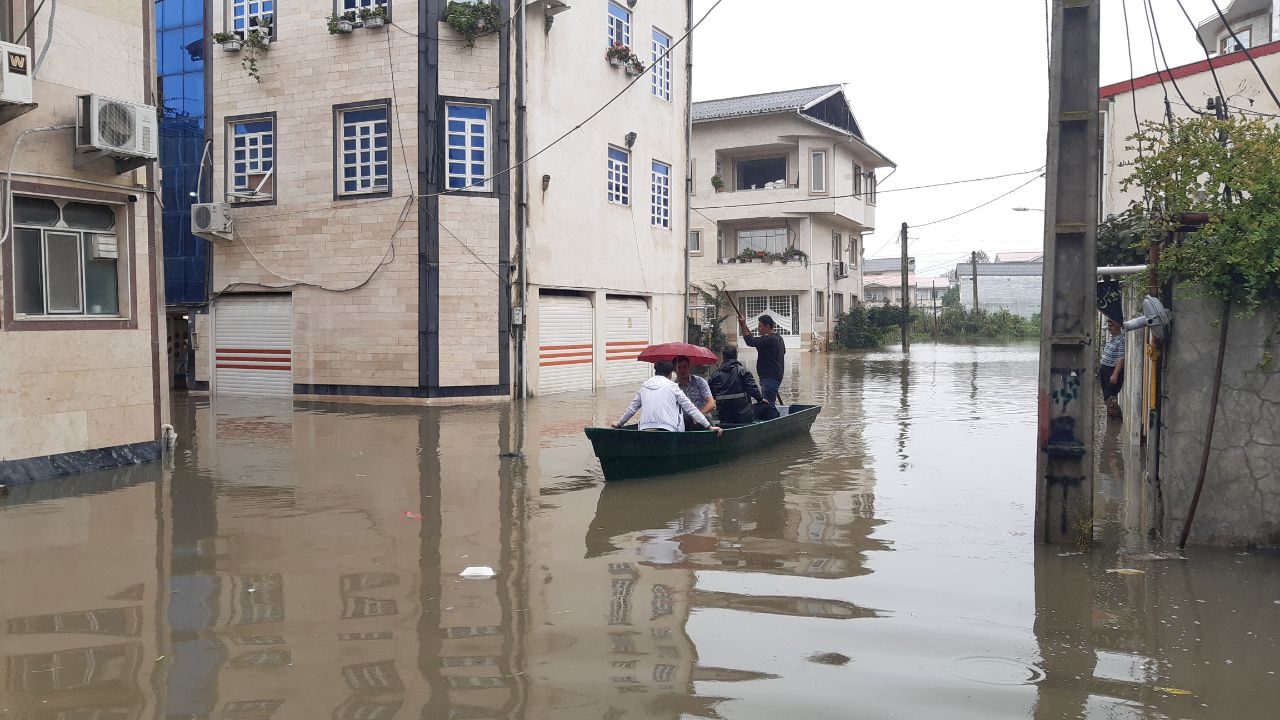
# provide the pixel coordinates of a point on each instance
(786, 100)
(998, 269)
(884, 265)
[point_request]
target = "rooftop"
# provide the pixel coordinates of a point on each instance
(1022, 269)
(762, 103)
(885, 265)
(1219, 61)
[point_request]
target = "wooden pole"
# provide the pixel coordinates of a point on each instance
(906, 297)
(1068, 358)
(973, 262)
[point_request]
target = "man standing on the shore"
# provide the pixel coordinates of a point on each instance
(770, 350)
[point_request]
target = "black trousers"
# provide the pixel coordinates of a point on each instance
(1109, 389)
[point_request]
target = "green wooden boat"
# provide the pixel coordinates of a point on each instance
(628, 453)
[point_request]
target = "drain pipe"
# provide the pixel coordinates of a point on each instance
(688, 160)
(522, 204)
(1223, 323)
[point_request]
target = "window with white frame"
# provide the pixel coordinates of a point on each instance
(837, 247)
(695, 242)
(857, 180)
(252, 158)
(619, 176)
(660, 191)
(660, 82)
(467, 143)
(871, 188)
(770, 240)
(619, 25)
(364, 150)
(66, 258)
(358, 5)
(819, 304)
(245, 15)
(1228, 44)
(853, 251)
(818, 171)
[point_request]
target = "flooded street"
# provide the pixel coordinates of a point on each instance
(302, 560)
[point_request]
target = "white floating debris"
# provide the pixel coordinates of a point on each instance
(478, 572)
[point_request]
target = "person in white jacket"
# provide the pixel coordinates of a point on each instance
(661, 404)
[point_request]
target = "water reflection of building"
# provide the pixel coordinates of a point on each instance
(81, 619)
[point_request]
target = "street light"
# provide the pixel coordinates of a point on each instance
(1026, 209)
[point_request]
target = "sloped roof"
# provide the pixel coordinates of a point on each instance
(884, 265)
(1022, 269)
(762, 103)
(1020, 256)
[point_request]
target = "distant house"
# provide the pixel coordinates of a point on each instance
(887, 287)
(1012, 286)
(1020, 256)
(877, 266)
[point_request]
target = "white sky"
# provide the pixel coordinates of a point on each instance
(948, 90)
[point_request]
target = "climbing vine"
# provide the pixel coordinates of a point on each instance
(1229, 170)
(471, 19)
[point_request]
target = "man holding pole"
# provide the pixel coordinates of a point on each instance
(771, 350)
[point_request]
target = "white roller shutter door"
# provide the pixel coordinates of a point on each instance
(627, 328)
(253, 346)
(565, 344)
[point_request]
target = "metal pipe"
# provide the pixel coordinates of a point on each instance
(1223, 323)
(1122, 270)
(522, 206)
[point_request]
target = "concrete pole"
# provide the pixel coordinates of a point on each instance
(973, 262)
(1064, 467)
(906, 298)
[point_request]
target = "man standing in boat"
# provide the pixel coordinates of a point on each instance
(662, 406)
(771, 350)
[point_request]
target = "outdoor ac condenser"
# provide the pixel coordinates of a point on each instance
(15, 78)
(211, 221)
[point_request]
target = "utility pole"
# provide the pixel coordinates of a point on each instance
(973, 262)
(906, 298)
(1064, 466)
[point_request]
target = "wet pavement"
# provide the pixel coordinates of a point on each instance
(302, 560)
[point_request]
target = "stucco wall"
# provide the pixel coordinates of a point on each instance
(88, 386)
(1240, 504)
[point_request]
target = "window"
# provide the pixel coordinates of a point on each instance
(619, 176)
(857, 180)
(660, 188)
(468, 146)
(819, 304)
(364, 153)
(818, 171)
(245, 14)
(1228, 43)
(773, 240)
(356, 5)
(761, 173)
(66, 258)
(661, 75)
(619, 25)
(871, 188)
(853, 251)
(252, 159)
(837, 247)
(837, 305)
(695, 242)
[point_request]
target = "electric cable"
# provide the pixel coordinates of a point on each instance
(1155, 59)
(8, 180)
(1245, 49)
(1133, 81)
(48, 39)
(30, 21)
(1155, 27)
(1207, 55)
(979, 207)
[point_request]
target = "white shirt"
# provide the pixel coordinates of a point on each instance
(662, 407)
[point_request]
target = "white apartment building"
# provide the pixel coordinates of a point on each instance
(784, 189)
(388, 238)
(81, 286)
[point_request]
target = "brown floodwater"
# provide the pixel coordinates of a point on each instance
(301, 560)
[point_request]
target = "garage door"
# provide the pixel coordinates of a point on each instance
(253, 346)
(627, 326)
(565, 344)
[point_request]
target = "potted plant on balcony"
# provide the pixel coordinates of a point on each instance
(342, 24)
(256, 42)
(634, 66)
(717, 182)
(373, 18)
(471, 19)
(618, 55)
(229, 42)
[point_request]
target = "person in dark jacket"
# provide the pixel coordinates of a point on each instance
(770, 350)
(734, 388)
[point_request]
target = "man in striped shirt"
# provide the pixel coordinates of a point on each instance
(1111, 368)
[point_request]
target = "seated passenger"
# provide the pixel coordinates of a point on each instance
(661, 405)
(734, 388)
(696, 389)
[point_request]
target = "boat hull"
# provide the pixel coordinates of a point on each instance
(629, 453)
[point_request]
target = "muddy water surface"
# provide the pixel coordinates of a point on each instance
(302, 560)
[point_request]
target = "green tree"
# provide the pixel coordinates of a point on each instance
(951, 299)
(709, 330)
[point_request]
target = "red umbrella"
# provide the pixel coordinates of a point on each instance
(697, 354)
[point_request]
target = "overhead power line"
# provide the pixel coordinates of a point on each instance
(1154, 28)
(1207, 55)
(1244, 48)
(978, 207)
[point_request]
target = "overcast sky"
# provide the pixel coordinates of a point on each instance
(948, 90)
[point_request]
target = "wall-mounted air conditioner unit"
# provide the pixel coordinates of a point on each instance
(211, 220)
(15, 75)
(123, 131)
